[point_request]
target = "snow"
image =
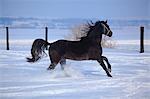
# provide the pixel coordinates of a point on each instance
(80, 79)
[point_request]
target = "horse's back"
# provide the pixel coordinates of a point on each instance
(76, 46)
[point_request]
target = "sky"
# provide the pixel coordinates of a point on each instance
(76, 8)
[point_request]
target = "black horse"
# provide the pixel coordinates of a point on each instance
(88, 48)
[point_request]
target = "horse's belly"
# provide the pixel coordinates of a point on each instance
(77, 57)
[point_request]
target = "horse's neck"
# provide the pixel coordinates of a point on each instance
(98, 39)
(92, 39)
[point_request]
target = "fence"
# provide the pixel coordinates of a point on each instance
(7, 37)
(141, 39)
(46, 38)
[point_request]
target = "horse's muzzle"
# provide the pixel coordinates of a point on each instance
(110, 34)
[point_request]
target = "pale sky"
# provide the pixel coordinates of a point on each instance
(76, 8)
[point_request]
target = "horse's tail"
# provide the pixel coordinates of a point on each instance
(37, 50)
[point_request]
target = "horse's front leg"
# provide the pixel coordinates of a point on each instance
(108, 64)
(100, 61)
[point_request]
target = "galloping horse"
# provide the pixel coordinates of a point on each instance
(88, 48)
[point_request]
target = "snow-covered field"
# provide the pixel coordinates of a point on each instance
(80, 79)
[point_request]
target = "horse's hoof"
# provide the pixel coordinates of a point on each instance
(109, 75)
(50, 68)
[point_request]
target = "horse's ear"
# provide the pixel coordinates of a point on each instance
(91, 22)
(106, 21)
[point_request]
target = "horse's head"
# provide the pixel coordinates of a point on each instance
(103, 28)
(98, 28)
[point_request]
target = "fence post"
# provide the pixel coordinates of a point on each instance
(46, 35)
(141, 39)
(7, 38)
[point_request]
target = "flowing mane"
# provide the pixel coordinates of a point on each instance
(82, 31)
(88, 27)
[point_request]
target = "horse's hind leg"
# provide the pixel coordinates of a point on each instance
(62, 63)
(104, 67)
(108, 64)
(54, 58)
(51, 66)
